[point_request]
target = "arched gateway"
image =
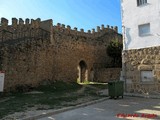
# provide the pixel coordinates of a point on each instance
(82, 71)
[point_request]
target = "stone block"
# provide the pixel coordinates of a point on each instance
(134, 63)
(146, 61)
(157, 61)
(157, 67)
(145, 67)
(128, 81)
(157, 74)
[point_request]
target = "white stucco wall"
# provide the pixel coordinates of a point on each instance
(132, 16)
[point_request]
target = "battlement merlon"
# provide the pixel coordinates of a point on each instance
(75, 28)
(102, 27)
(99, 29)
(27, 21)
(89, 31)
(93, 31)
(21, 21)
(115, 28)
(14, 22)
(36, 23)
(58, 25)
(68, 27)
(82, 30)
(63, 25)
(4, 22)
(46, 24)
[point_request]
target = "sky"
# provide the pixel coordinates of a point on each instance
(86, 14)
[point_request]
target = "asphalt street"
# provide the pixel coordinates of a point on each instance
(128, 108)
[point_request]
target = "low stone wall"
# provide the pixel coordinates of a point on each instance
(107, 74)
(138, 61)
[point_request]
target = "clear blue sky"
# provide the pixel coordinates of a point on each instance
(86, 14)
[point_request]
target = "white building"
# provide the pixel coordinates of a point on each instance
(141, 45)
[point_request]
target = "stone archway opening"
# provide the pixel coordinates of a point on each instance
(82, 72)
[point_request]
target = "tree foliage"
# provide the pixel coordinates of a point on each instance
(114, 50)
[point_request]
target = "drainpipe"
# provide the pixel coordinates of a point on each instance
(123, 60)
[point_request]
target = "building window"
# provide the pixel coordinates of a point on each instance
(144, 29)
(147, 76)
(141, 2)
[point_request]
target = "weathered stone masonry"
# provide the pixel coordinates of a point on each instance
(147, 59)
(34, 52)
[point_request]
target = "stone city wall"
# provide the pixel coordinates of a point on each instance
(107, 74)
(36, 51)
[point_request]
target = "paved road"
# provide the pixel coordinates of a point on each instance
(136, 108)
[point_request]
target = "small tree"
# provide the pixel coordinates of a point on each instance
(114, 50)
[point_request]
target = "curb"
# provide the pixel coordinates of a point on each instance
(64, 109)
(142, 96)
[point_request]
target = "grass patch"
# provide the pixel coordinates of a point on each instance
(56, 95)
(59, 86)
